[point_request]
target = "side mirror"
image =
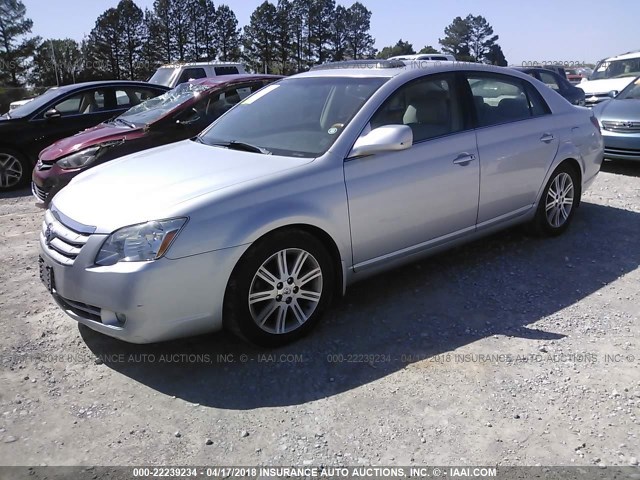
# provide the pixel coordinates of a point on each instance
(389, 138)
(52, 113)
(613, 93)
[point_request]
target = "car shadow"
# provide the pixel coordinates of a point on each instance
(499, 285)
(21, 192)
(621, 167)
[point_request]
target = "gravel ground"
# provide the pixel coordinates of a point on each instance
(508, 351)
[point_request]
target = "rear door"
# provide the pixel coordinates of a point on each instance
(517, 142)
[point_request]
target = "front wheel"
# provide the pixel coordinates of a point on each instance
(14, 170)
(558, 202)
(279, 289)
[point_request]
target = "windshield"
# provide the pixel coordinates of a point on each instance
(154, 108)
(631, 92)
(33, 105)
(616, 69)
(297, 117)
(163, 76)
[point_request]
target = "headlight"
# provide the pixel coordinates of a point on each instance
(78, 159)
(140, 243)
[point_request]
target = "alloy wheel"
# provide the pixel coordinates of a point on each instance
(559, 200)
(285, 291)
(10, 170)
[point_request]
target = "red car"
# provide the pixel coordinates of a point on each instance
(179, 114)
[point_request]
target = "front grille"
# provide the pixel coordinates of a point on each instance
(83, 310)
(59, 241)
(621, 126)
(40, 165)
(38, 192)
(592, 99)
(627, 152)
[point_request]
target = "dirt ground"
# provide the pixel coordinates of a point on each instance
(508, 351)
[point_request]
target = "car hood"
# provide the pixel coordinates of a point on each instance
(604, 85)
(89, 138)
(619, 110)
(156, 183)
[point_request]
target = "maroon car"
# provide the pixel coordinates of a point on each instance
(178, 114)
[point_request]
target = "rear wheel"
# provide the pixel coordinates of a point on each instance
(559, 200)
(279, 289)
(14, 169)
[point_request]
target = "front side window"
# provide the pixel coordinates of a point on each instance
(90, 101)
(428, 106)
(502, 99)
(298, 117)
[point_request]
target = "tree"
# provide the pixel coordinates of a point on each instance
(15, 49)
(259, 40)
(56, 62)
(359, 39)
(481, 37)
(131, 25)
(400, 48)
(428, 49)
(105, 46)
(495, 56)
(160, 29)
(321, 14)
(339, 34)
(202, 17)
(227, 34)
(284, 36)
(457, 37)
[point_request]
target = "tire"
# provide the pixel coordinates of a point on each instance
(270, 305)
(15, 170)
(555, 213)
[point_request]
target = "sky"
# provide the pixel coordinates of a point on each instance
(530, 31)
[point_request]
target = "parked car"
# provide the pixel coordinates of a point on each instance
(56, 114)
(306, 186)
(172, 75)
(620, 122)
(555, 68)
(576, 75)
(434, 57)
(176, 115)
(611, 76)
(556, 82)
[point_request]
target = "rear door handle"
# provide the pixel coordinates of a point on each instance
(464, 159)
(546, 137)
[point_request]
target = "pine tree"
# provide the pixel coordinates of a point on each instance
(15, 49)
(227, 34)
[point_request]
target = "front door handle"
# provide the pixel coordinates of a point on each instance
(464, 159)
(546, 137)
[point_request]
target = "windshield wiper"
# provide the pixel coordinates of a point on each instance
(125, 122)
(246, 147)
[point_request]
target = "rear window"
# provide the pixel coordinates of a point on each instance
(226, 70)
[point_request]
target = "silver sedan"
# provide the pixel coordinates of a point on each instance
(306, 186)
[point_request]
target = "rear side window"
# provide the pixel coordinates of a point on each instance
(191, 74)
(226, 70)
(549, 80)
(428, 105)
(502, 99)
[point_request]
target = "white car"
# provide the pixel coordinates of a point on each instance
(173, 75)
(433, 57)
(610, 76)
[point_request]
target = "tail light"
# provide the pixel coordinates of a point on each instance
(596, 124)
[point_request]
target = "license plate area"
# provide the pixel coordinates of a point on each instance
(46, 274)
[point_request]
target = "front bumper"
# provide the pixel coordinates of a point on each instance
(47, 180)
(621, 146)
(158, 300)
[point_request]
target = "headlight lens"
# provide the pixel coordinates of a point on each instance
(140, 243)
(78, 159)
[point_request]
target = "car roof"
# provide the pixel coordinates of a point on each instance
(198, 64)
(224, 79)
(390, 69)
(624, 56)
(108, 83)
